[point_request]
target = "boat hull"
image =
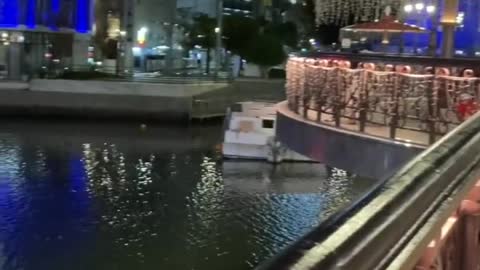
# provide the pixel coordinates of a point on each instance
(260, 152)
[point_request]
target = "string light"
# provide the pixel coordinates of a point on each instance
(342, 11)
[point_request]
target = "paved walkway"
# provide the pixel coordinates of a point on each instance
(404, 135)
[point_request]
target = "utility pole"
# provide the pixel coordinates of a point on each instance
(126, 35)
(449, 23)
(432, 43)
(171, 27)
(218, 32)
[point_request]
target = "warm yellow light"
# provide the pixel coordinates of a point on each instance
(430, 9)
(408, 8)
(142, 35)
(419, 6)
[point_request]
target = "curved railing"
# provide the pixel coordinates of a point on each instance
(411, 220)
(425, 216)
(420, 99)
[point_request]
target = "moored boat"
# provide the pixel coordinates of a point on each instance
(250, 134)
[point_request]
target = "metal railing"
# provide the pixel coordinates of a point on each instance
(392, 225)
(95, 72)
(402, 94)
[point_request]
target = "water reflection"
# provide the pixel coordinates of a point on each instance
(111, 197)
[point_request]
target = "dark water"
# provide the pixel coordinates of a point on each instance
(111, 196)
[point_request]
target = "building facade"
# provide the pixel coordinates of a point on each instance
(192, 8)
(40, 35)
(157, 35)
(467, 32)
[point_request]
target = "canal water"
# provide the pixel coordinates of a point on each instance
(107, 196)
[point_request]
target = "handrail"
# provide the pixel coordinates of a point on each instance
(392, 229)
(421, 99)
(396, 59)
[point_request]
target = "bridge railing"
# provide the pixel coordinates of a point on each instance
(395, 224)
(401, 95)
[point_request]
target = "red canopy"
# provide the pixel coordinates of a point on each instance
(386, 24)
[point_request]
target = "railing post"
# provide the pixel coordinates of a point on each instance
(295, 103)
(431, 112)
(396, 95)
(306, 91)
(305, 107)
(319, 103)
(363, 102)
(320, 94)
(471, 234)
(362, 115)
(336, 101)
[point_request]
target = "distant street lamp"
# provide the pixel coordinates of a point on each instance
(430, 9)
(408, 8)
(419, 6)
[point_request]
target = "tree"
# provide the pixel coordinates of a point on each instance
(328, 34)
(286, 32)
(238, 32)
(266, 50)
(307, 17)
(109, 48)
(202, 33)
(103, 44)
(101, 25)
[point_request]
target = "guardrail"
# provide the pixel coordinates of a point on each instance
(96, 72)
(392, 226)
(401, 94)
(425, 216)
(402, 59)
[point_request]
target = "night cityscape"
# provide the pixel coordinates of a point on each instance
(239, 134)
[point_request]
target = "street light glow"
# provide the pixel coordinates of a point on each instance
(430, 9)
(142, 35)
(460, 17)
(408, 8)
(419, 6)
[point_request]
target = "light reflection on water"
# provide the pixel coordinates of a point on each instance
(97, 196)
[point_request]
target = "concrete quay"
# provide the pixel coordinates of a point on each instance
(119, 99)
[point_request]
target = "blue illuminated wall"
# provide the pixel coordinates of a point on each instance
(83, 16)
(9, 13)
(467, 36)
(54, 14)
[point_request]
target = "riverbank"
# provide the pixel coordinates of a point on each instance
(114, 99)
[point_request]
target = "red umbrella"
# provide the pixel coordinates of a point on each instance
(387, 24)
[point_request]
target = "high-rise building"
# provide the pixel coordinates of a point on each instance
(248, 8)
(239, 7)
(38, 34)
(156, 35)
(192, 8)
(156, 19)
